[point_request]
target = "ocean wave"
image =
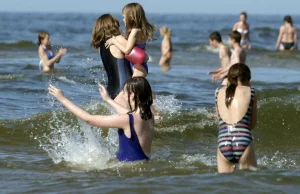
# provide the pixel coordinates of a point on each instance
(23, 44)
(11, 77)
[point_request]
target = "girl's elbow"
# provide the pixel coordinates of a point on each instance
(127, 52)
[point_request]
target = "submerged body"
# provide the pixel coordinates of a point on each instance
(236, 110)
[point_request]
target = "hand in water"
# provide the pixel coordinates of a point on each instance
(110, 42)
(57, 93)
(103, 92)
(62, 51)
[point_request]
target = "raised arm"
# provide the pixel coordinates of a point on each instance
(112, 121)
(126, 49)
(56, 58)
(105, 96)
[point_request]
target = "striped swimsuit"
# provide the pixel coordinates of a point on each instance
(233, 139)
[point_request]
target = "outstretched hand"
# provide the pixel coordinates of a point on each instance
(57, 93)
(103, 92)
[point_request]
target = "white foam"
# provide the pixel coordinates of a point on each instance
(77, 144)
(64, 79)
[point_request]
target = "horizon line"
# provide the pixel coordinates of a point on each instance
(158, 13)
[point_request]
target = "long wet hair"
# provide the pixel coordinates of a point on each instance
(42, 35)
(237, 72)
(106, 26)
(136, 18)
(142, 96)
(288, 19)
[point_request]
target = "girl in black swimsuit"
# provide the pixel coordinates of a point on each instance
(116, 66)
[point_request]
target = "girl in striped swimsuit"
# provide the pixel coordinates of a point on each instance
(236, 108)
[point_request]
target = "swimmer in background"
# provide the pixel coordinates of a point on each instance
(215, 40)
(166, 48)
(236, 110)
(238, 56)
(135, 124)
(243, 27)
(138, 31)
(287, 38)
(46, 54)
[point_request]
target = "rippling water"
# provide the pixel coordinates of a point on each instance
(46, 149)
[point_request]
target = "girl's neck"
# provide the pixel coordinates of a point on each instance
(243, 83)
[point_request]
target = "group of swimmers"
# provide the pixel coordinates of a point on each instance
(287, 37)
(129, 93)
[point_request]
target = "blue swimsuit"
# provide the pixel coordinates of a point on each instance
(141, 46)
(49, 55)
(129, 148)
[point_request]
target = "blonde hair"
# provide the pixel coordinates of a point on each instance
(42, 36)
(136, 18)
(105, 27)
(165, 31)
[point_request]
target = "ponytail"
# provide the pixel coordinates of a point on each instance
(230, 91)
(237, 72)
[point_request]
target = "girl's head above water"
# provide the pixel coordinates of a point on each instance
(165, 31)
(238, 73)
(44, 38)
(135, 17)
(139, 94)
(105, 27)
(288, 19)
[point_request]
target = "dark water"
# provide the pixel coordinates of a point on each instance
(43, 148)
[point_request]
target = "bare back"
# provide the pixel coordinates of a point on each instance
(239, 105)
(144, 130)
(288, 33)
(115, 51)
(238, 56)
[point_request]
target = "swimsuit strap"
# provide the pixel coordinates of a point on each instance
(248, 115)
(131, 124)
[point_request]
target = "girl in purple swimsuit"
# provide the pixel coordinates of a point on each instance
(136, 124)
(138, 31)
(236, 107)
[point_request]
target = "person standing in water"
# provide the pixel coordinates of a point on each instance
(135, 125)
(243, 27)
(166, 49)
(215, 40)
(116, 66)
(238, 56)
(236, 109)
(46, 54)
(138, 31)
(287, 38)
